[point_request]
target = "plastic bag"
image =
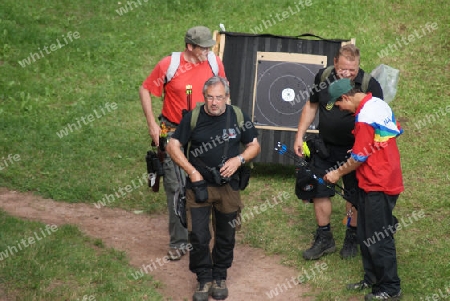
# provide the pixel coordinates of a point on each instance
(388, 78)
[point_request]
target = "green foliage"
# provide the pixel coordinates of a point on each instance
(113, 55)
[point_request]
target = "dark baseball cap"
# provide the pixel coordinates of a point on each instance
(337, 89)
(199, 35)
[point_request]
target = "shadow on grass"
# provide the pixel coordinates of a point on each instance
(271, 170)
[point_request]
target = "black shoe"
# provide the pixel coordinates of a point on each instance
(219, 290)
(383, 296)
(323, 244)
(358, 286)
(202, 292)
(350, 247)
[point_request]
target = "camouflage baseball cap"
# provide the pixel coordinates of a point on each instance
(199, 35)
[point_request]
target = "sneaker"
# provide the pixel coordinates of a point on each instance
(358, 286)
(383, 296)
(219, 290)
(202, 292)
(176, 253)
(323, 244)
(350, 247)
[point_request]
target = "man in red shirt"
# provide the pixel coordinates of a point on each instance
(376, 159)
(182, 91)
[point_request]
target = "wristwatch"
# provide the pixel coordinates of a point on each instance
(242, 159)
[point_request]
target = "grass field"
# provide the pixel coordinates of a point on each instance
(72, 128)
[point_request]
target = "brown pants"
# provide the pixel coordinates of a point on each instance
(224, 199)
(223, 205)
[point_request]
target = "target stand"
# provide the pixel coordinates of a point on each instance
(281, 88)
(270, 77)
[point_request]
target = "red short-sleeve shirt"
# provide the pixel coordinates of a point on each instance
(175, 99)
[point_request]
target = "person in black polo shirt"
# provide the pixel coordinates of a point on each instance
(212, 145)
(335, 129)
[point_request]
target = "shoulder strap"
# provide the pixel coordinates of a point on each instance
(174, 64)
(213, 63)
(326, 73)
(194, 119)
(365, 82)
(239, 116)
(195, 113)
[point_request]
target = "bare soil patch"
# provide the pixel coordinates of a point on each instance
(144, 238)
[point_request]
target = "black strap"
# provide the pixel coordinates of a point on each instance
(317, 37)
(227, 126)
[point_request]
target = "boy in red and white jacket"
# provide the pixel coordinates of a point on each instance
(376, 159)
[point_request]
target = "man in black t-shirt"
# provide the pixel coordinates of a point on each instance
(335, 129)
(211, 160)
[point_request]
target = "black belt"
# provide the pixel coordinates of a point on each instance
(167, 121)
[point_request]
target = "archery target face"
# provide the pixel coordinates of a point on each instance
(282, 89)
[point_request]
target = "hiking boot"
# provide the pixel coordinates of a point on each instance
(219, 290)
(176, 253)
(202, 292)
(383, 296)
(323, 244)
(358, 286)
(350, 247)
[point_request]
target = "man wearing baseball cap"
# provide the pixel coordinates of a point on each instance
(376, 160)
(179, 78)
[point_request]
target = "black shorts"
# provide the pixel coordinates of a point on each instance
(338, 156)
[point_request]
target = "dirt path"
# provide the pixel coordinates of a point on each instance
(144, 238)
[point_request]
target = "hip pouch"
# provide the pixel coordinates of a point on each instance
(244, 176)
(200, 189)
(317, 146)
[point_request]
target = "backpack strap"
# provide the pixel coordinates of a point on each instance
(365, 82)
(173, 67)
(326, 73)
(213, 63)
(239, 116)
(194, 118)
(175, 63)
(195, 113)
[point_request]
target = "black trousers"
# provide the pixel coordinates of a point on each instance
(376, 227)
(209, 266)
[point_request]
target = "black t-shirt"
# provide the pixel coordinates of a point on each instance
(209, 136)
(336, 126)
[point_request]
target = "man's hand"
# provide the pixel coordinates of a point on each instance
(230, 167)
(298, 146)
(154, 131)
(332, 176)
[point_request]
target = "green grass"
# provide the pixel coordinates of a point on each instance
(41, 262)
(114, 54)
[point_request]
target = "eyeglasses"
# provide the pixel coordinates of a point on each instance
(218, 98)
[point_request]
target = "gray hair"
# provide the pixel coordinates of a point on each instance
(349, 51)
(214, 81)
